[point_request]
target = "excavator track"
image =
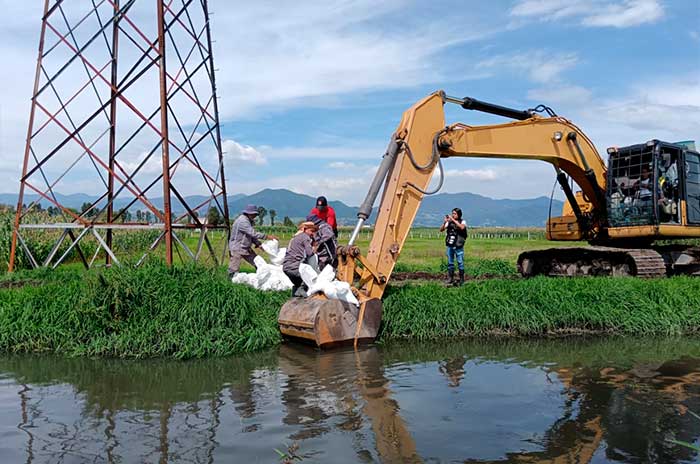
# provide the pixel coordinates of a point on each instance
(593, 261)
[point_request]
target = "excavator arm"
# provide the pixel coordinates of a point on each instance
(415, 151)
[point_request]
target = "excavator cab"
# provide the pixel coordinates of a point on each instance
(653, 189)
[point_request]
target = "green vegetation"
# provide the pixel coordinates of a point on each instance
(189, 311)
(145, 312)
(194, 311)
(489, 251)
(542, 306)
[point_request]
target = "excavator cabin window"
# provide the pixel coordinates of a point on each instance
(644, 185)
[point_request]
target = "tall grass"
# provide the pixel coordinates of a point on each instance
(185, 312)
(145, 312)
(541, 306)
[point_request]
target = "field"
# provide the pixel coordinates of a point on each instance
(488, 249)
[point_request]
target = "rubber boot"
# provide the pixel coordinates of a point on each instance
(450, 277)
(461, 278)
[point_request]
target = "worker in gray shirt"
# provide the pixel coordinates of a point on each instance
(325, 241)
(243, 237)
(299, 250)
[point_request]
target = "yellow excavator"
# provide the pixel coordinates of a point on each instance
(648, 192)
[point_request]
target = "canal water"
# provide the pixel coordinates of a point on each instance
(520, 401)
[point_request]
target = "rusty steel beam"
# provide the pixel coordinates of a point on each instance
(54, 161)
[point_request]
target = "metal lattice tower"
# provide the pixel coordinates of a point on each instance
(124, 104)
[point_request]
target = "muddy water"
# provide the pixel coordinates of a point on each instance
(518, 401)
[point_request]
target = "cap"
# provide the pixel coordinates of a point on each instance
(313, 218)
(250, 209)
(308, 225)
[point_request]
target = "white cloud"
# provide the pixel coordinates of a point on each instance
(548, 9)
(593, 13)
(341, 165)
(663, 108)
(235, 152)
(473, 174)
(154, 164)
(310, 53)
(669, 110)
(499, 178)
(344, 150)
(626, 14)
(540, 66)
(560, 94)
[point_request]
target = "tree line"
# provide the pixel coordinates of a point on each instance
(215, 218)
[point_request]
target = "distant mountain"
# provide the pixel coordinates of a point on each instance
(485, 211)
(287, 203)
(479, 210)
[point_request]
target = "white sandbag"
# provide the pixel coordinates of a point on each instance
(319, 281)
(278, 259)
(326, 283)
(276, 254)
(263, 273)
(327, 274)
(259, 261)
(245, 278)
(276, 281)
(271, 247)
(308, 275)
(267, 277)
(343, 292)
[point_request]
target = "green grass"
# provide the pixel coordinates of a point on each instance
(542, 306)
(425, 250)
(193, 312)
(145, 312)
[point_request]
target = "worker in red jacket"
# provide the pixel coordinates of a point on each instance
(325, 212)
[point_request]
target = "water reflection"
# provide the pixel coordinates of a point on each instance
(508, 401)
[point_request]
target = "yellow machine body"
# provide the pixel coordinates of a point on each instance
(416, 150)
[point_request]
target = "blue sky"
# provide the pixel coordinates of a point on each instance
(311, 93)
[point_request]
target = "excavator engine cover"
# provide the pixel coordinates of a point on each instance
(329, 323)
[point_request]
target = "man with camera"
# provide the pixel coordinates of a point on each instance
(455, 237)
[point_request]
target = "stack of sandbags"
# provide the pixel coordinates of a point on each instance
(326, 283)
(268, 276)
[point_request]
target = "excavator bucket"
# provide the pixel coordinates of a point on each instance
(329, 323)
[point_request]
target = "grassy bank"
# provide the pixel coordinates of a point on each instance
(145, 312)
(195, 312)
(542, 306)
